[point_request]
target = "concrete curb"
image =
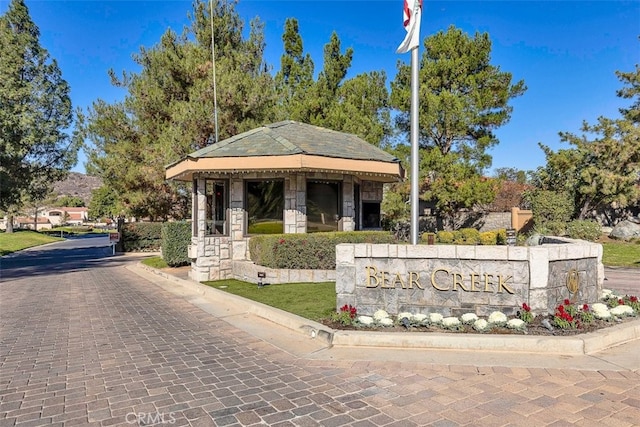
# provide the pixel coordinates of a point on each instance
(574, 345)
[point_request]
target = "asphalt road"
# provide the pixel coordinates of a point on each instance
(75, 253)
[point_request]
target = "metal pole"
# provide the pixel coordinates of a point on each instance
(415, 160)
(213, 57)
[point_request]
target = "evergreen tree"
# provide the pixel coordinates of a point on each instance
(463, 98)
(295, 78)
(631, 91)
(602, 168)
(325, 94)
(35, 110)
(359, 105)
(169, 109)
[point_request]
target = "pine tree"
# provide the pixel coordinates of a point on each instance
(35, 110)
(169, 108)
(295, 78)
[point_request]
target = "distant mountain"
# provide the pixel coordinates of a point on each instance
(78, 185)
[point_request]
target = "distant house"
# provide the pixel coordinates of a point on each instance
(27, 223)
(49, 218)
(66, 215)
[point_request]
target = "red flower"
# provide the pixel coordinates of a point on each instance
(561, 308)
(348, 308)
(525, 307)
(621, 301)
(281, 241)
(567, 302)
(566, 316)
(633, 299)
(585, 307)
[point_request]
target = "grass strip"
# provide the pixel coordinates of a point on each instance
(312, 301)
(23, 239)
(621, 254)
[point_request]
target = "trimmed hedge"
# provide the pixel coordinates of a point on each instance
(316, 251)
(471, 236)
(176, 237)
(142, 236)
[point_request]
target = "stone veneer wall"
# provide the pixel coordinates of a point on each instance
(454, 279)
(248, 272)
(214, 257)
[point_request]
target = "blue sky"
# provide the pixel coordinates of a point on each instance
(567, 52)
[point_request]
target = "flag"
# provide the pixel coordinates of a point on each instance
(411, 15)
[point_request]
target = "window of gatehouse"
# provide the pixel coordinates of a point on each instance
(324, 205)
(217, 195)
(264, 201)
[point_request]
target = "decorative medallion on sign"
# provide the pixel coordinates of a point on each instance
(573, 281)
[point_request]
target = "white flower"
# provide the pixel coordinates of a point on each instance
(599, 307)
(365, 320)
(435, 318)
(516, 324)
(386, 321)
(606, 294)
(497, 318)
(380, 314)
(602, 314)
(469, 318)
(404, 314)
(480, 325)
(600, 311)
(419, 318)
(622, 311)
(450, 322)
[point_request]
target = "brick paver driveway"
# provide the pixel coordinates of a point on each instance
(85, 341)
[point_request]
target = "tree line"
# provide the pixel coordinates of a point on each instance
(168, 110)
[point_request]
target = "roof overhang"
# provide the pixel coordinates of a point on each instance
(372, 170)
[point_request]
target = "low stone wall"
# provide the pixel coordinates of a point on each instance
(248, 272)
(454, 279)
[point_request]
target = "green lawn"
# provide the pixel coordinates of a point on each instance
(19, 240)
(313, 301)
(621, 254)
(155, 262)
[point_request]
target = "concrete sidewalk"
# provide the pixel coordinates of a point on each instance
(615, 348)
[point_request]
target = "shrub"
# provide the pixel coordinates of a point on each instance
(553, 228)
(550, 208)
(176, 237)
(585, 230)
(501, 238)
(142, 236)
(489, 238)
(307, 251)
(444, 236)
(466, 236)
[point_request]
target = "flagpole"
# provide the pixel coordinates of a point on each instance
(415, 162)
(213, 72)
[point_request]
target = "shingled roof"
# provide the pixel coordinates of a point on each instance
(289, 145)
(290, 137)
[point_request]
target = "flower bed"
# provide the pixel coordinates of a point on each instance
(568, 319)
